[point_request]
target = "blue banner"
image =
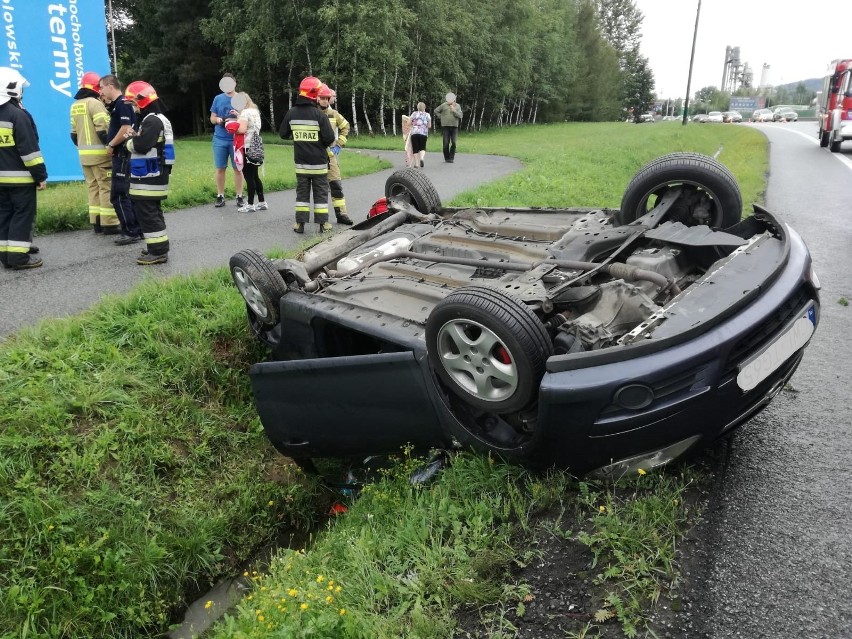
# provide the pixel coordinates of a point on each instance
(52, 44)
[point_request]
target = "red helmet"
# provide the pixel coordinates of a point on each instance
(91, 80)
(309, 87)
(141, 93)
(325, 91)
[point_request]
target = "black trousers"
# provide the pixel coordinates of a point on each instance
(150, 215)
(305, 185)
(450, 134)
(120, 198)
(253, 183)
(17, 216)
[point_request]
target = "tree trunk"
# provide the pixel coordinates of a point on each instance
(271, 95)
(366, 113)
(354, 123)
(393, 100)
(481, 115)
(382, 100)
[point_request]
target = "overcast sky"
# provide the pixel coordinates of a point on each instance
(786, 35)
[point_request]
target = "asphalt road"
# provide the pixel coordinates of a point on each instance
(81, 267)
(773, 558)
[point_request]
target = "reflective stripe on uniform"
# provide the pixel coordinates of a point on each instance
(18, 247)
(16, 177)
(156, 237)
(31, 159)
(149, 190)
(338, 203)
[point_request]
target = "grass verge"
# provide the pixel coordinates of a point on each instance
(134, 470)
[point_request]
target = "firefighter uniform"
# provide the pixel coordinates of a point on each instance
(89, 124)
(340, 126)
(152, 154)
(22, 168)
(312, 134)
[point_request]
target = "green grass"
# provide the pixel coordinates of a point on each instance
(134, 471)
(63, 207)
(591, 164)
(133, 467)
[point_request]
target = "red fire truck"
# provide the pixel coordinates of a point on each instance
(835, 105)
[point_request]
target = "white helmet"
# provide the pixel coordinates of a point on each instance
(12, 84)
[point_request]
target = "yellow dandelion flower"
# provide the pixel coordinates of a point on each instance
(329, 599)
(342, 611)
(320, 579)
(642, 472)
(261, 618)
(304, 606)
(602, 509)
(271, 503)
(262, 588)
(245, 574)
(50, 527)
(331, 582)
(330, 587)
(208, 605)
(338, 588)
(292, 592)
(250, 597)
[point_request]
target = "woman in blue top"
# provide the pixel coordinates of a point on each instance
(420, 123)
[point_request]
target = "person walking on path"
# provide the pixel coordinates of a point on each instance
(249, 126)
(223, 142)
(420, 123)
(311, 132)
(340, 126)
(450, 115)
(152, 154)
(22, 173)
(122, 117)
(89, 125)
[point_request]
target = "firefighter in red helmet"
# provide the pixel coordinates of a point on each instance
(89, 125)
(152, 154)
(312, 134)
(341, 130)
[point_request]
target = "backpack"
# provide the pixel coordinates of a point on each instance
(254, 151)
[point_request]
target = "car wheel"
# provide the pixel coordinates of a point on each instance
(260, 285)
(833, 143)
(712, 195)
(488, 348)
(412, 186)
(823, 138)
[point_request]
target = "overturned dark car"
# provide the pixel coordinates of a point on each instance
(596, 340)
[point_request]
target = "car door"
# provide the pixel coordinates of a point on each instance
(352, 405)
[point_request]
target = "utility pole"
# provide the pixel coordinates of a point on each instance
(691, 59)
(112, 37)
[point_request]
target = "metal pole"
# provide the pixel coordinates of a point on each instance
(691, 59)
(112, 37)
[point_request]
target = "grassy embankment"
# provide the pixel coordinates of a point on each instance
(134, 470)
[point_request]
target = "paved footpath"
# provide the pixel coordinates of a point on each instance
(80, 267)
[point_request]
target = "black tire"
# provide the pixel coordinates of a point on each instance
(833, 143)
(488, 348)
(708, 183)
(260, 285)
(823, 138)
(412, 186)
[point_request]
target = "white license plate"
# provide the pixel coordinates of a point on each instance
(762, 366)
